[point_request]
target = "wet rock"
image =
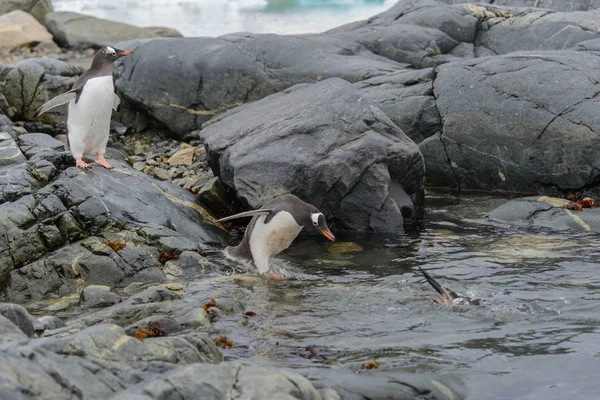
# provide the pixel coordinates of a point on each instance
(326, 144)
(168, 324)
(534, 132)
(543, 212)
(49, 242)
(190, 263)
(215, 196)
(28, 84)
(9, 331)
(46, 323)
(234, 69)
(153, 295)
(21, 29)
(37, 8)
(74, 30)
(97, 296)
(18, 316)
(194, 318)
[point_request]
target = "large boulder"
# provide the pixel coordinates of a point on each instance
(522, 122)
(28, 84)
(234, 69)
(328, 145)
(21, 29)
(74, 30)
(182, 83)
(37, 8)
(63, 228)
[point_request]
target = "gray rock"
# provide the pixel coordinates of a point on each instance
(534, 212)
(407, 98)
(28, 84)
(168, 324)
(9, 331)
(80, 31)
(95, 297)
(232, 70)
(153, 295)
(216, 382)
(15, 177)
(18, 316)
(326, 144)
(558, 5)
(46, 323)
(37, 8)
(523, 122)
(48, 238)
(539, 30)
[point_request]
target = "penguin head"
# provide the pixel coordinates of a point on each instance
(316, 220)
(110, 54)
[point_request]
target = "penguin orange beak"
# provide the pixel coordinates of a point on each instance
(125, 53)
(327, 233)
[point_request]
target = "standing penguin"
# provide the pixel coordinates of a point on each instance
(91, 101)
(273, 228)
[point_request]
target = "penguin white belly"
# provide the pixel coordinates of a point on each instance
(88, 122)
(267, 240)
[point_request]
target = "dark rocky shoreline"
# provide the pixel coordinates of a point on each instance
(358, 120)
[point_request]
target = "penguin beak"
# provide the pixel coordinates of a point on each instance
(124, 53)
(327, 233)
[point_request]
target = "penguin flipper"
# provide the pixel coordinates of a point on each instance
(252, 213)
(55, 102)
(438, 288)
(116, 101)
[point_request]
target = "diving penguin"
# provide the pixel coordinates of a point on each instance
(91, 101)
(273, 228)
(448, 296)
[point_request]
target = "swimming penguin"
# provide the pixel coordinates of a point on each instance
(273, 228)
(91, 101)
(448, 296)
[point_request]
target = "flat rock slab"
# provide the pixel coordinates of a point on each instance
(74, 30)
(326, 144)
(541, 212)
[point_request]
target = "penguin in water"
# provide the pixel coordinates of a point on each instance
(273, 228)
(91, 101)
(448, 296)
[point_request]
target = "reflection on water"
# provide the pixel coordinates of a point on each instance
(219, 17)
(536, 337)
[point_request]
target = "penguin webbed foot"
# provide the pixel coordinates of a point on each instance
(102, 162)
(81, 164)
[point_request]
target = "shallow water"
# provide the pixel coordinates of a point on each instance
(536, 336)
(219, 17)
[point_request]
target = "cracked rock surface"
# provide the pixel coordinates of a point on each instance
(56, 221)
(521, 122)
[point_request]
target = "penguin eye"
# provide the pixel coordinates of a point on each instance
(315, 223)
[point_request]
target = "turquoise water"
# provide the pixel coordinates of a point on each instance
(219, 17)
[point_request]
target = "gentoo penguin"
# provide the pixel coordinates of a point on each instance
(447, 296)
(273, 228)
(91, 101)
